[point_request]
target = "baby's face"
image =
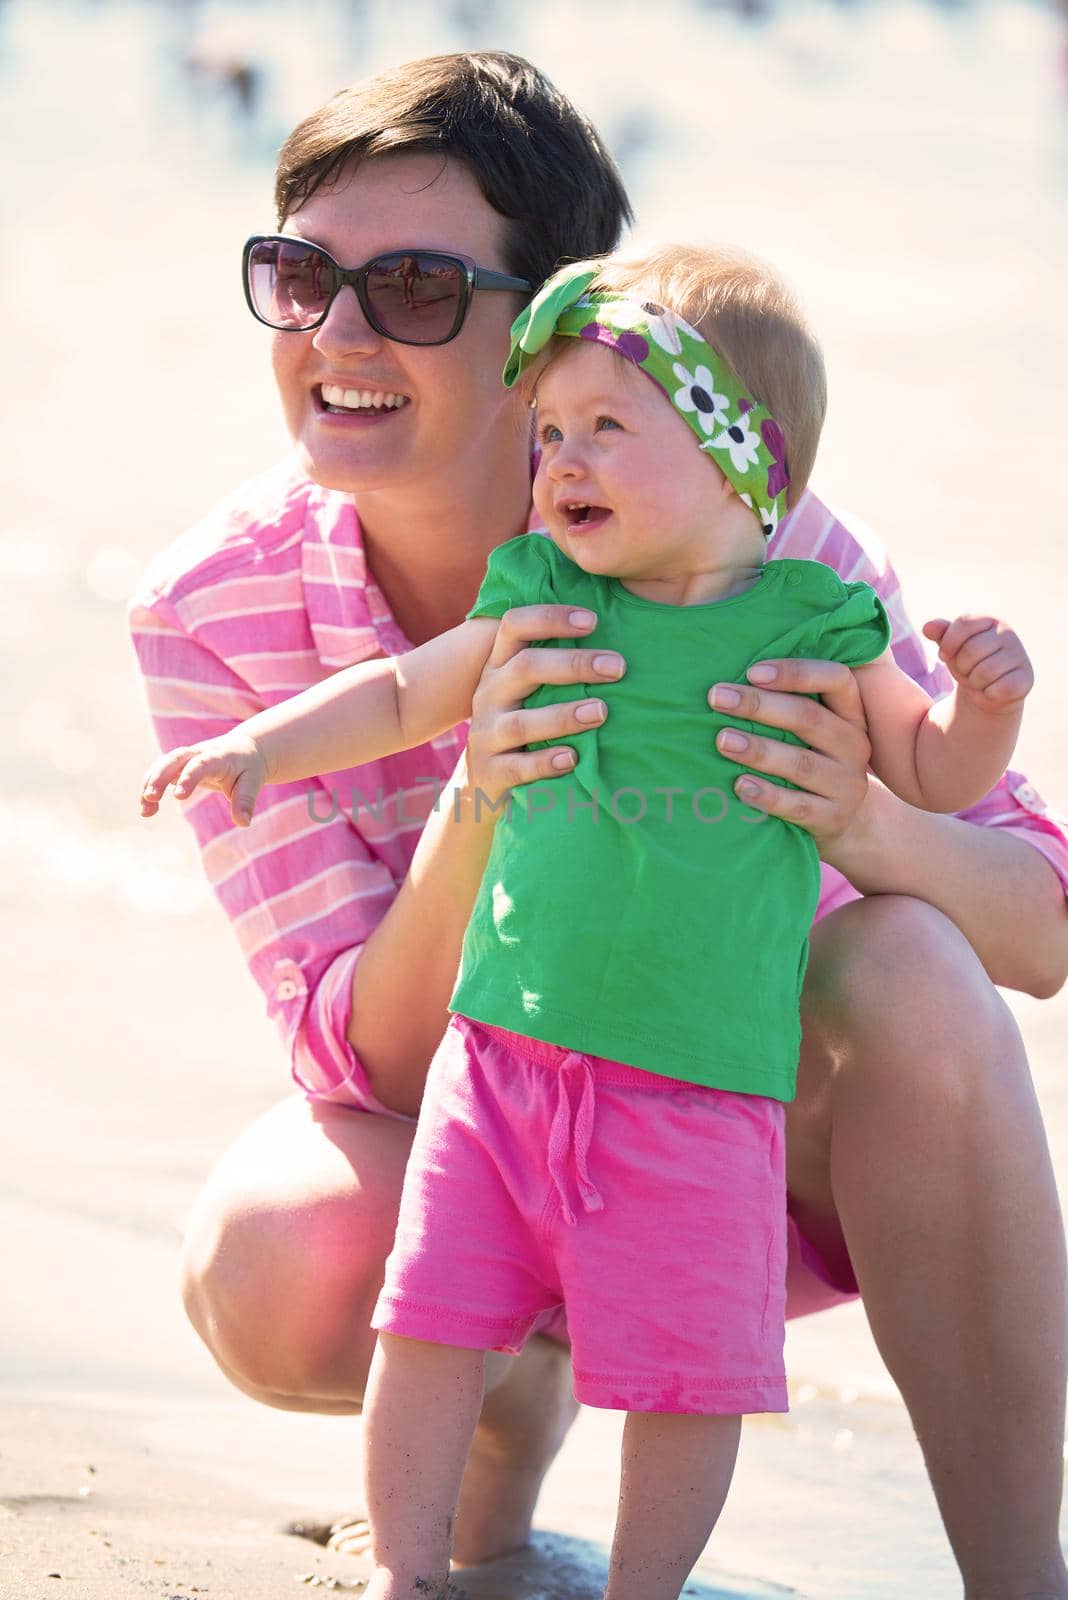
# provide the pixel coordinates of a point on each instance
(622, 486)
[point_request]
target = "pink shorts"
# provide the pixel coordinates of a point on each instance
(652, 1209)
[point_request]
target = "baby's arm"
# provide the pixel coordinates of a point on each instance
(358, 714)
(945, 755)
(376, 708)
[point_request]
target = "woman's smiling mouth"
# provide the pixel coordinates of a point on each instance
(336, 401)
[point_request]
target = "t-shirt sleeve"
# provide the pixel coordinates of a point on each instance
(518, 574)
(854, 631)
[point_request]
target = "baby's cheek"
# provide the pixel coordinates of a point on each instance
(542, 494)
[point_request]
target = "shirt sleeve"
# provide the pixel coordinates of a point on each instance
(813, 532)
(517, 574)
(302, 893)
(855, 631)
(830, 620)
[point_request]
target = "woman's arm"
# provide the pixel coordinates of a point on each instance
(1021, 928)
(402, 983)
(307, 896)
(1003, 895)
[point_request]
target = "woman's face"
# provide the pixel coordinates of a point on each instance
(452, 403)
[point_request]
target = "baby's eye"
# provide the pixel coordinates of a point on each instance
(550, 434)
(607, 422)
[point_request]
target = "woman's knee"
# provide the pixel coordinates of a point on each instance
(892, 981)
(283, 1259)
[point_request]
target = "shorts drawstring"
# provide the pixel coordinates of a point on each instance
(571, 1132)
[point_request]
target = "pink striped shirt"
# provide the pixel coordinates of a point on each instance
(270, 594)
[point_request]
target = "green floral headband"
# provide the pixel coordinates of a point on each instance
(740, 434)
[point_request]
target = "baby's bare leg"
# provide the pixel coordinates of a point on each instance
(676, 1473)
(420, 1410)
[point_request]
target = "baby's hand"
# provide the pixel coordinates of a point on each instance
(232, 764)
(987, 660)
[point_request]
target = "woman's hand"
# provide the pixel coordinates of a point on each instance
(829, 768)
(233, 764)
(501, 726)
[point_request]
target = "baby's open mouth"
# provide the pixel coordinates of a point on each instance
(579, 514)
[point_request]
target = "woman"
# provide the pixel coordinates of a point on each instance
(918, 1171)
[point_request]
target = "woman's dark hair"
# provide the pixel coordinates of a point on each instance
(536, 158)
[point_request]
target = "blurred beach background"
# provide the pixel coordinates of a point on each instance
(906, 165)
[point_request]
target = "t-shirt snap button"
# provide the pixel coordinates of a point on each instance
(793, 579)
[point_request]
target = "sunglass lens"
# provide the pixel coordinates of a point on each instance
(289, 284)
(416, 298)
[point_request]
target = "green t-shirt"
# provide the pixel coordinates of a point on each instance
(634, 907)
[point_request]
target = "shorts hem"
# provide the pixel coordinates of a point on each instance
(437, 1324)
(709, 1397)
(811, 1286)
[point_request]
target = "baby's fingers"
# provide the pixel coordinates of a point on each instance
(159, 777)
(1003, 679)
(961, 632)
(1014, 686)
(243, 798)
(219, 772)
(233, 774)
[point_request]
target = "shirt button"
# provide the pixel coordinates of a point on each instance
(1026, 795)
(286, 990)
(793, 579)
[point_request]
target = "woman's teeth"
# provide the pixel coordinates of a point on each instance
(337, 399)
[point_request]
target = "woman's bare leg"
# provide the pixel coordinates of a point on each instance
(915, 1144)
(420, 1413)
(675, 1476)
(284, 1259)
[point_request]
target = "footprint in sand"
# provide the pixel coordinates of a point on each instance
(552, 1567)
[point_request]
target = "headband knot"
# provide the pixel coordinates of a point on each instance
(740, 434)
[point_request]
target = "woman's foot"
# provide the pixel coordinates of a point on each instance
(523, 1423)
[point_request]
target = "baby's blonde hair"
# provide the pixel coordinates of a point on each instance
(746, 313)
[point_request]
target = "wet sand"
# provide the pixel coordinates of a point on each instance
(916, 158)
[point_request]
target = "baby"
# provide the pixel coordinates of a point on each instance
(602, 1125)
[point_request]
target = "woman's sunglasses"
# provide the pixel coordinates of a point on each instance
(410, 296)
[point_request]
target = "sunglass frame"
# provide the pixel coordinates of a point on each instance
(472, 277)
